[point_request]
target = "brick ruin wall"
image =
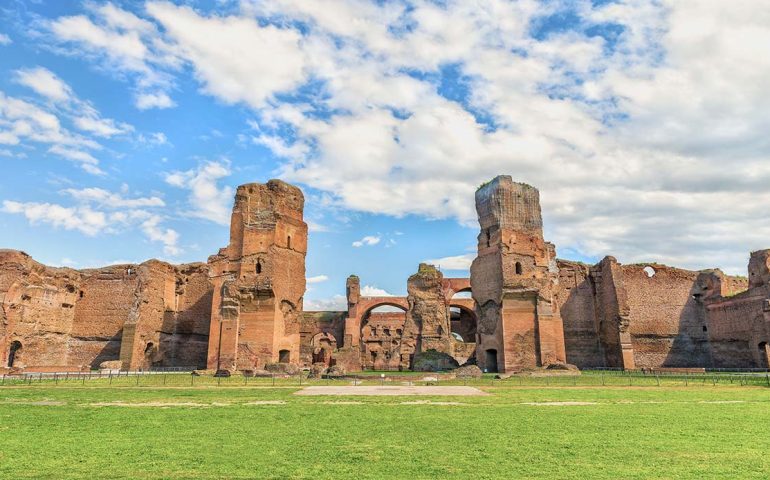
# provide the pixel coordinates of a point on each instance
(75, 320)
(159, 315)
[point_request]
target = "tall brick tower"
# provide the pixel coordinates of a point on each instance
(259, 279)
(513, 279)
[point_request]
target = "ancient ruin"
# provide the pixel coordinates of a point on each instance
(521, 308)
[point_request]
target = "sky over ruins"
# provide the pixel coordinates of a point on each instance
(126, 126)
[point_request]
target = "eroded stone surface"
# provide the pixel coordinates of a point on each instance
(243, 310)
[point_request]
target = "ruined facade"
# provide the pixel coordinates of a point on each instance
(521, 308)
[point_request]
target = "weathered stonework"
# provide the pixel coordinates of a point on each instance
(522, 307)
(259, 280)
(513, 280)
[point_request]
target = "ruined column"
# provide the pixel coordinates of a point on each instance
(427, 327)
(259, 279)
(512, 280)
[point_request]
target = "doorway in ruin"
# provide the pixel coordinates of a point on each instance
(764, 355)
(490, 361)
(13, 352)
(284, 356)
(323, 344)
(382, 327)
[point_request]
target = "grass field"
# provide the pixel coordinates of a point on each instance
(103, 431)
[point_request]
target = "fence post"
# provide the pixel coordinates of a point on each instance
(272, 376)
(110, 377)
(56, 378)
(82, 379)
(685, 379)
(767, 377)
(219, 381)
(192, 379)
(2, 382)
(602, 378)
(657, 378)
(137, 379)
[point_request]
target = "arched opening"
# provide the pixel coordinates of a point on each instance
(284, 356)
(324, 344)
(288, 241)
(463, 323)
(764, 355)
(518, 268)
(259, 266)
(14, 352)
(148, 348)
(490, 361)
(649, 271)
(463, 294)
(381, 330)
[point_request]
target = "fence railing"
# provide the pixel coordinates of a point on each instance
(596, 378)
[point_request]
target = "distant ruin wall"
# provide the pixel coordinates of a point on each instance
(577, 303)
(667, 325)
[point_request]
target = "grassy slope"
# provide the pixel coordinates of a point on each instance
(668, 432)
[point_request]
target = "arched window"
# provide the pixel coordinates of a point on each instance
(148, 348)
(288, 241)
(518, 268)
(259, 267)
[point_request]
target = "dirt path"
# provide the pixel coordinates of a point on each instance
(390, 390)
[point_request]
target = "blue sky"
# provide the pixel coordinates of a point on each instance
(125, 126)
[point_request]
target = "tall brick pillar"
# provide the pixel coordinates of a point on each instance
(259, 279)
(513, 279)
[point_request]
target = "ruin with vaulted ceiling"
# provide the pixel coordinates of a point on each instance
(521, 308)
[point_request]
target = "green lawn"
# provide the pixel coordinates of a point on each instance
(74, 431)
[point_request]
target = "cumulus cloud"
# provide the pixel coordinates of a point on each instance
(5, 39)
(317, 279)
(45, 83)
(83, 219)
(206, 198)
(335, 303)
(146, 101)
(371, 291)
(625, 118)
(98, 211)
(368, 240)
(457, 262)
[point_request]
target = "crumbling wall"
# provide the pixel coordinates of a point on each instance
(739, 320)
(667, 324)
(513, 281)
(427, 320)
(104, 300)
(577, 304)
(321, 335)
(38, 304)
(259, 280)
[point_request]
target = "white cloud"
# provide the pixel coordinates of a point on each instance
(367, 240)
(124, 44)
(44, 82)
(370, 291)
(630, 137)
(146, 101)
(317, 279)
(207, 199)
(337, 303)
(155, 233)
(99, 211)
(457, 262)
(235, 58)
(5, 39)
(83, 219)
(109, 199)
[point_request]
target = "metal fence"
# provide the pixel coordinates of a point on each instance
(597, 378)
